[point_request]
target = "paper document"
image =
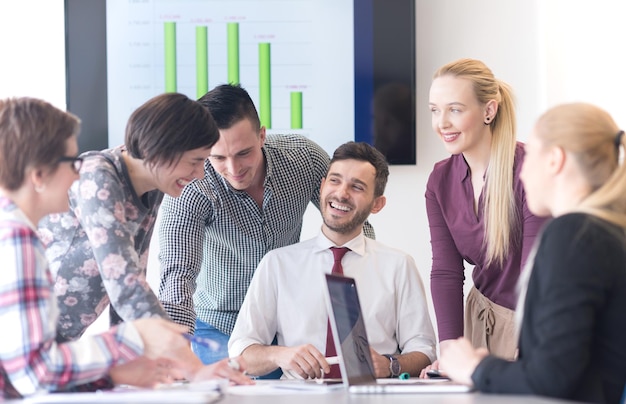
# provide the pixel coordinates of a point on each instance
(204, 392)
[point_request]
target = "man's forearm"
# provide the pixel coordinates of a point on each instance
(413, 362)
(259, 360)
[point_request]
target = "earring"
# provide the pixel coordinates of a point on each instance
(40, 188)
(487, 121)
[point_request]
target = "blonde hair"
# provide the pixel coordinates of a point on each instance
(502, 219)
(591, 135)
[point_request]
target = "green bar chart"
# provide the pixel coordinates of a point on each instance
(233, 52)
(265, 85)
(202, 61)
(296, 110)
(233, 67)
(269, 47)
(170, 56)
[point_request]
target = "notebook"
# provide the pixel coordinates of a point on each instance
(197, 392)
(352, 345)
(311, 385)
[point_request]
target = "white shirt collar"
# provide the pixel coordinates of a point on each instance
(356, 245)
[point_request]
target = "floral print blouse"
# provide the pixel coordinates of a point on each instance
(98, 251)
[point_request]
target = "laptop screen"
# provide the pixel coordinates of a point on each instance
(349, 328)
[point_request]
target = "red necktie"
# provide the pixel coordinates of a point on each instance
(338, 253)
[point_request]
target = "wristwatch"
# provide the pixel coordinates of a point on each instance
(394, 365)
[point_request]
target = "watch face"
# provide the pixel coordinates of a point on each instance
(395, 367)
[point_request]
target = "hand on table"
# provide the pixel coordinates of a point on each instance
(460, 360)
(381, 364)
(146, 372)
(232, 369)
(304, 360)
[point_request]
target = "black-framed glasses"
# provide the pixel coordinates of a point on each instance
(77, 162)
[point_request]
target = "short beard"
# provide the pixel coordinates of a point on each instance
(349, 227)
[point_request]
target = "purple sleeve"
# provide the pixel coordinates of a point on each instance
(447, 273)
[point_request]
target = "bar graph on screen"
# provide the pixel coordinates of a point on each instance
(273, 48)
(293, 80)
(299, 60)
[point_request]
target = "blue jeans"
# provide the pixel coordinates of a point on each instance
(208, 356)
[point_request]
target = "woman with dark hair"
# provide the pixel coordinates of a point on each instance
(38, 164)
(98, 250)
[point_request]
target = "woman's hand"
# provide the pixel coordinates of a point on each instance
(161, 338)
(232, 369)
(145, 372)
(460, 360)
(433, 366)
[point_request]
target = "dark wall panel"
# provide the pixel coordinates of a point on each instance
(86, 71)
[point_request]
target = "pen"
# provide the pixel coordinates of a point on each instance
(205, 342)
(333, 360)
(234, 365)
(214, 346)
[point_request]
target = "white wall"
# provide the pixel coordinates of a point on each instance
(585, 55)
(32, 50)
(546, 57)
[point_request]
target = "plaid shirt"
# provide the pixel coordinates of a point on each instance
(212, 237)
(30, 359)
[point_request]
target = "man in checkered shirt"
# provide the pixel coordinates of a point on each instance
(252, 199)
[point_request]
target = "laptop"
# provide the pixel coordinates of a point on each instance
(352, 346)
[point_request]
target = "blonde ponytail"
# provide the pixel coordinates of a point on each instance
(502, 219)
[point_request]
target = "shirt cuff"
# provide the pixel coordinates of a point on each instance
(480, 376)
(131, 344)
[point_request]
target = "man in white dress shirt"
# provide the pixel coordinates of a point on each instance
(286, 295)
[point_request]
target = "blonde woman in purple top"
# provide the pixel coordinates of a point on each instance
(476, 207)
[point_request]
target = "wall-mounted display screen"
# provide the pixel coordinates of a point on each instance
(332, 70)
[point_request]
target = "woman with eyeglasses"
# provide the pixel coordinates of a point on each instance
(573, 292)
(98, 250)
(38, 164)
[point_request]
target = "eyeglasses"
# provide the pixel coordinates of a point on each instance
(77, 162)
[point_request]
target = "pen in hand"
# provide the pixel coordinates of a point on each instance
(205, 342)
(332, 360)
(214, 346)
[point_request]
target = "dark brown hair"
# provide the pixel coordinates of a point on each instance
(362, 151)
(168, 125)
(230, 104)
